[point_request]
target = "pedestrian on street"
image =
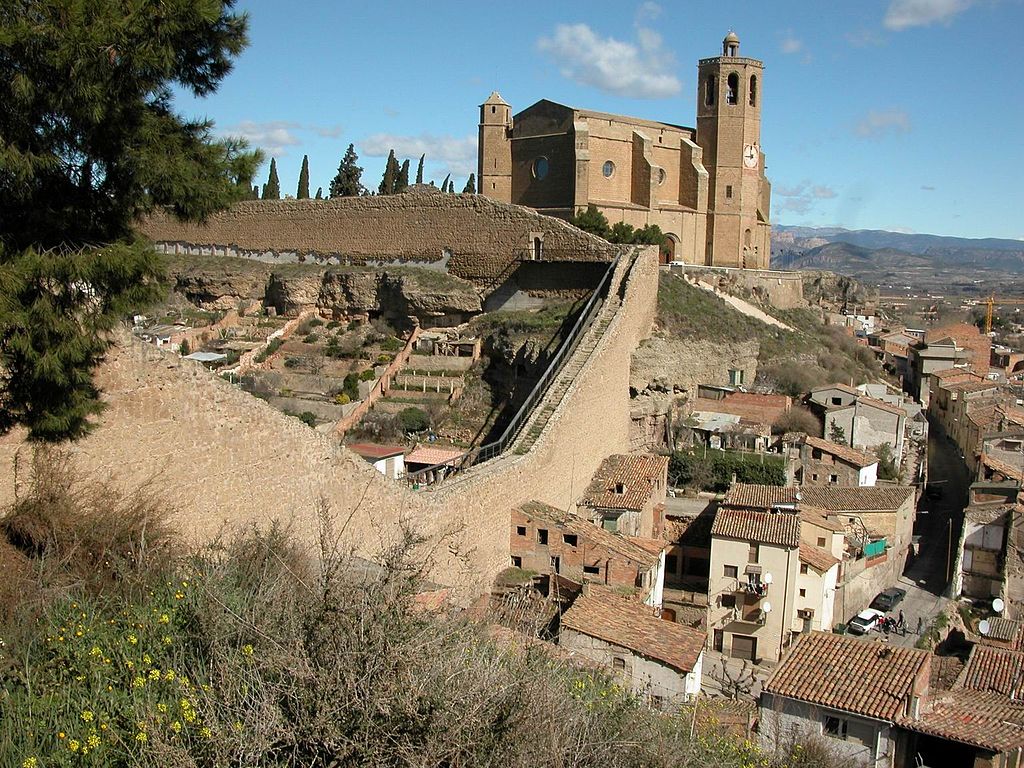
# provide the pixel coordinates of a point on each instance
(902, 622)
(920, 621)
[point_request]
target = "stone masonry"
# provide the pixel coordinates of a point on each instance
(221, 459)
(474, 237)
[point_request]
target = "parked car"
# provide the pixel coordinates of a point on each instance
(933, 492)
(889, 599)
(864, 621)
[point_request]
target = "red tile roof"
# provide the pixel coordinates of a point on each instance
(823, 497)
(816, 557)
(375, 451)
(819, 517)
(995, 669)
(622, 621)
(859, 676)
(988, 720)
(841, 387)
(881, 405)
(636, 473)
(844, 452)
(1011, 414)
(950, 375)
(758, 409)
(431, 455)
(1007, 470)
(780, 528)
(969, 387)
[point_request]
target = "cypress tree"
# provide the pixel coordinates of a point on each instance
(255, 193)
(272, 189)
(419, 169)
(347, 182)
(319, 193)
(444, 184)
(90, 144)
(303, 191)
(391, 171)
(403, 177)
(470, 187)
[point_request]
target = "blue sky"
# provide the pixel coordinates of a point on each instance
(889, 114)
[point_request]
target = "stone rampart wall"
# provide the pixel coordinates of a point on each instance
(476, 237)
(783, 290)
(222, 458)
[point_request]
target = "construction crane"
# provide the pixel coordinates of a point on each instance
(990, 302)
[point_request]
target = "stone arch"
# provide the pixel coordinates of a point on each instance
(670, 249)
(732, 91)
(753, 90)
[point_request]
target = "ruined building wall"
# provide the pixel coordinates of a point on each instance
(482, 236)
(219, 457)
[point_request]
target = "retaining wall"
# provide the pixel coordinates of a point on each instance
(220, 457)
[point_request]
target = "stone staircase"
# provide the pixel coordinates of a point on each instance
(556, 393)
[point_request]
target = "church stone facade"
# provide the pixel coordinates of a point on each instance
(705, 186)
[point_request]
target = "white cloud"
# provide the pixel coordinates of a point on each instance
(877, 123)
(327, 131)
(272, 137)
(903, 14)
(648, 11)
(452, 153)
(802, 197)
(863, 38)
(641, 70)
(791, 43)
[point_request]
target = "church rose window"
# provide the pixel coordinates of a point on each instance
(540, 168)
(661, 176)
(608, 169)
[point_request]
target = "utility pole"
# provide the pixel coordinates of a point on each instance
(949, 552)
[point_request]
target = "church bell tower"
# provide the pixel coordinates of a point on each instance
(494, 149)
(729, 132)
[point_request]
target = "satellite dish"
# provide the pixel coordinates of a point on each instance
(984, 627)
(767, 578)
(767, 607)
(998, 605)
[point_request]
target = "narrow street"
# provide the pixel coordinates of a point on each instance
(938, 524)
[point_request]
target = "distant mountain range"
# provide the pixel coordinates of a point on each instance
(870, 251)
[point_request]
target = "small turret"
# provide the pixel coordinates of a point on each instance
(730, 45)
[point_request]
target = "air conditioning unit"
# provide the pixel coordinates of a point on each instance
(805, 613)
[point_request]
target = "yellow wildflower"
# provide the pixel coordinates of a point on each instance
(146, 659)
(161, 707)
(167, 640)
(78, 633)
(87, 716)
(206, 733)
(189, 715)
(169, 675)
(130, 664)
(95, 651)
(247, 649)
(164, 619)
(73, 745)
(154, 674)
(138, 681)
(133, 639)
(238, 725)
(141, 736)
(176, 726)
(103, 726)
(179, 595)
(30, 762)
(61, 735)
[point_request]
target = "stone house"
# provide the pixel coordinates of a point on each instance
(627, 494)
(659, 660)
(849, 691)
(823, 462)
(735, 420)
(931, 383)
(989, 543)
(704, 187)
(953, 346)
(547, 540)
(867, 423)
(773, 576)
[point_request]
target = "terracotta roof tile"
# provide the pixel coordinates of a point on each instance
(968, 387)
(859, 676)
(375, 451)
(1003, 468)
(881, 405)
(433, 455)
(844, 452)
(603, 614)
(824, 498)
(819, 518)
(951, 375)
(637, 473)
(995, 669)
(841, 387)
(816, 557)
(1013, 415)
(982, 719)
(780, 528)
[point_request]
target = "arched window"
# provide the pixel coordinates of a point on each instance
(746, 238)
(709, 91)
(732, 92)
(540, 168)
(753, 90)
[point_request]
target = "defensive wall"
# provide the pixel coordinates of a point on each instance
(471, 236)
(221, 458)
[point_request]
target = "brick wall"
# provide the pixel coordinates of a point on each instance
(481, 235)
(222, 458)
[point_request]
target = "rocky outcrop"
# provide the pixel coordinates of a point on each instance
(833, 291)
(668, 365)
(432, 296)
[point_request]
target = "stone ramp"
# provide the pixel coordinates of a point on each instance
(742, 306)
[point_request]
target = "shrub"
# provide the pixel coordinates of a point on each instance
(413, 420)
(292, 362)
(367, 375)
(351, 386)
(311, 338)
(797, 419)
(184, 348)
(342, 399)
(333, 324)
(316, 322)
(384, 359)
(392, 344)
(308, 418)
(714, 471)
(270, 349)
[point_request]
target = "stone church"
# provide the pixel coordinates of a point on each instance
(705, 187)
